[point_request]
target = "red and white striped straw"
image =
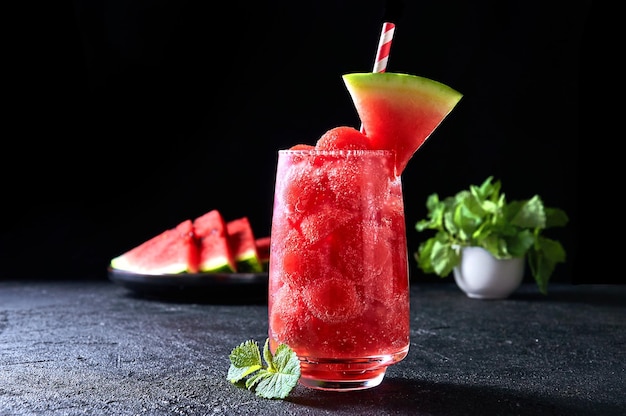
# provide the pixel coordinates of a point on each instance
(384, 46)
(382, 53)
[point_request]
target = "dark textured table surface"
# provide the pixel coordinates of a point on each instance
(95, 347)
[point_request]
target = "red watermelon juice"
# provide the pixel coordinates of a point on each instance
(338, 274)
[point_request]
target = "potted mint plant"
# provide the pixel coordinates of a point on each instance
(480, 219)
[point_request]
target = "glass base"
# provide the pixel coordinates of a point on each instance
(368, 381)
(346, 374)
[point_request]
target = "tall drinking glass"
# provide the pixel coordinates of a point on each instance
(338, 274)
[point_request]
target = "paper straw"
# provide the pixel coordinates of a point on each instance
(384, 46)
(382, 53)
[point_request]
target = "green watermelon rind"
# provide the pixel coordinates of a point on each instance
(216, 265)
(248, 262)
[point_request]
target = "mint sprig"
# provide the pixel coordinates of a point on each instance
(481, 216)
(275, 380)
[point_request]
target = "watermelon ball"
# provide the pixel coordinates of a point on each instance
(305, 191)
(288, 316)
(343, 138)
(302, 146)
(333, 299)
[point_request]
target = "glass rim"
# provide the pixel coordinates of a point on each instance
(338, 152)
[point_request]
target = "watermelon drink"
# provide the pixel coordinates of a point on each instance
(338, 279)
(338, 270)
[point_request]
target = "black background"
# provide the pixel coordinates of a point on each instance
(127, 117)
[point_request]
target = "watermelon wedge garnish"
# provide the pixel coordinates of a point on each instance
(171, 252)
(399, 111)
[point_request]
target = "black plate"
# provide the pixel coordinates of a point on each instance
(210, 287)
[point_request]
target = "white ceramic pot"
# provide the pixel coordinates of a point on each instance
(482, 276)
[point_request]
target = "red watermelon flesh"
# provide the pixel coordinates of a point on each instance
(343, 138)
(263, 249)
(171, 252)
(243, 246)
(399, 111)
(215, 254)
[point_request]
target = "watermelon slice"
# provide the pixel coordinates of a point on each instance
(263, 248)
(171, 252)
(243, 246)
(399, 111)
(215, 253)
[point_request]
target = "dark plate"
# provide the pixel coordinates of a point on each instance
(209, 287)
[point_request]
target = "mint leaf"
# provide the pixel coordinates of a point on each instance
(273, 381)
(245, 359)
